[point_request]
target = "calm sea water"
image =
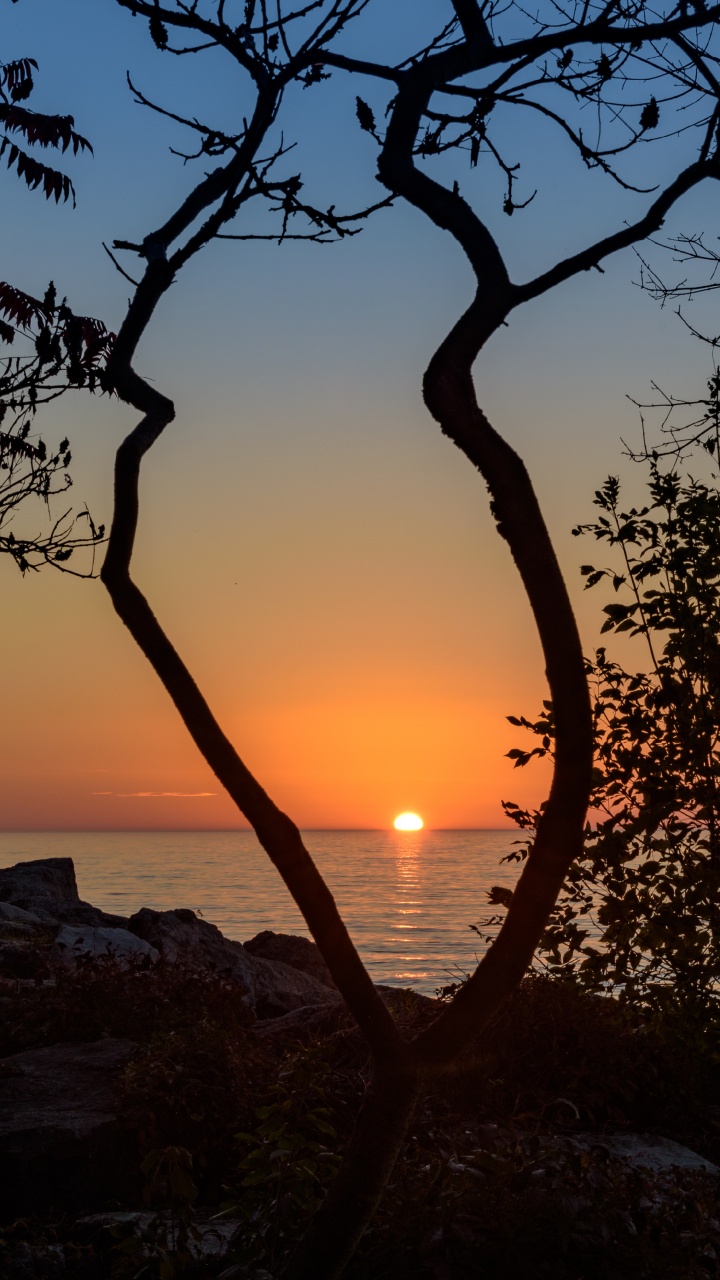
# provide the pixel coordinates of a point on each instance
(407, 898)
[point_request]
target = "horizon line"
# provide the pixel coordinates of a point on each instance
(48, 831)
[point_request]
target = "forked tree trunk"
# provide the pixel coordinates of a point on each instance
(382, 1123)
(398, 1068)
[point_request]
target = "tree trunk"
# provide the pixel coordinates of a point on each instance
(367, 1166)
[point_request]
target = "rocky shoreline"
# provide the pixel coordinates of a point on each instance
(61, 1142)
(44, 924)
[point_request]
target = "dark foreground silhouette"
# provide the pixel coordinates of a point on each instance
(155, 1075)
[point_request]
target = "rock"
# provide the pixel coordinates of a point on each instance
(302, 1024)
(210, 1241)
(289, 948)
(24, 1261)
(280, 989)
(24, 960)
(25, 944)
(645, 1151)
(269, 988)
(83, 942)
(182, 938)
(16, 915)
(47, 888)
(62, 1145)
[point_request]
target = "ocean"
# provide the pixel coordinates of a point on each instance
(408, 898)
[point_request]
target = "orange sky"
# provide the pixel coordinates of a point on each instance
(322, 557)
(355, 685)
(331, 574)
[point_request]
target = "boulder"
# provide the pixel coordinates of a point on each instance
(210, 1237)
(84, 942)
(302, 1025)
(280, 989)
(181, 937)
(289, 948)
(48, 890)
(646, 1151)
(62, 1145)
(15, 915)
(269, 988)
(26, 944)
(23, 1261)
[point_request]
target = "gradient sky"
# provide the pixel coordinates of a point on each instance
(322, 557)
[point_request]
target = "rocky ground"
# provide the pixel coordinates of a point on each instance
(173, 1103)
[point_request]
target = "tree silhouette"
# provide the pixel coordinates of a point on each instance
(633, 65)
(52, 350)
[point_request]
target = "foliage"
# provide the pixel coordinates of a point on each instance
(163, 1244)
(489, 1180)
(286, 1162)
(37, 129)
(649, 880)
(60, 350)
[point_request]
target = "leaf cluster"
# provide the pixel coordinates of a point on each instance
(163, 1243)
(36, 129)
(60, 350)
(640, 911)
(286, 1162)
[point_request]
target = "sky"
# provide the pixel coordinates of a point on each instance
(323, 559)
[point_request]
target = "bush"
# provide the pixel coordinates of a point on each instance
(640, 913)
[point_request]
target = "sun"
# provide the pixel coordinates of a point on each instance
(408, 822)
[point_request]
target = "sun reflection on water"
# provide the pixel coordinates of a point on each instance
(409, 902)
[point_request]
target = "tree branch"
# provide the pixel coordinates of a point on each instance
(640, 230)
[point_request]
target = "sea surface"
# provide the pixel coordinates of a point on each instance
(408, 898)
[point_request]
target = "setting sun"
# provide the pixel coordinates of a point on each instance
(408, 822)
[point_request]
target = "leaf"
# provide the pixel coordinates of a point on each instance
(650, 115)
(158, 31)
(17, 76)
(43, 130)
(365, 116)
(20, 307)
(34, 173)
(499, 896)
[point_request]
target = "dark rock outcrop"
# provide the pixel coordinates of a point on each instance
(23, 1261)
(289, 948)
(48, 890)
(645, 1151)
(279, 989)
(301, 1026)
(62, 1145)
(75, 943)
(210, 1237)
(269, 987)
(26, 944)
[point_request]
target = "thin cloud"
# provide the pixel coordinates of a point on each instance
(135, 795)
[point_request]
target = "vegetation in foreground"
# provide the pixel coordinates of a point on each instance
(503, 1172)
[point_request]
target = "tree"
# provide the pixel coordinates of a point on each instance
(589, 53)
(648, 880)
(59, 350)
